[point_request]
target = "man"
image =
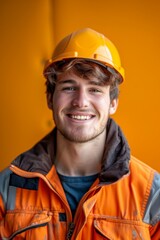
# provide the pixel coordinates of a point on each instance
(80, 181)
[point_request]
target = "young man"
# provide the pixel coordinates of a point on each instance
(80, 182)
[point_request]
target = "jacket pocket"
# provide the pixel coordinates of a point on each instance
(29, 225)
(120, 230)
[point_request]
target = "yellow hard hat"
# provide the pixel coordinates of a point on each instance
(87, 44)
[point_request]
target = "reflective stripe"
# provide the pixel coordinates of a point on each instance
(4, 184)
(11, 198)
(152, 213)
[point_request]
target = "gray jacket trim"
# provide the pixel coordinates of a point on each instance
(4, 186)
(11, 198)
(152, 213)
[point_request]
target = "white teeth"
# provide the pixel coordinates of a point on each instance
(80, 117)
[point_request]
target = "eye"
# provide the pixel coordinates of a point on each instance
(95, 90)
(68, 89)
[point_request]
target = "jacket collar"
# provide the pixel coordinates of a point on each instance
(115, 162)
(116, 155)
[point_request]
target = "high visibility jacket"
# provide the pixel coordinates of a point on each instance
(120, 204)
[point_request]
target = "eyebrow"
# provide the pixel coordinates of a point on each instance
(66, 81)
(71, 81)
(96, 83)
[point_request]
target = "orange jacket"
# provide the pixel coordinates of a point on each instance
(33, 205)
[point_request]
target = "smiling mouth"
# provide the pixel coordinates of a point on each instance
(80, 117)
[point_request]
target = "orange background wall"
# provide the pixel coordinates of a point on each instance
(29, 31)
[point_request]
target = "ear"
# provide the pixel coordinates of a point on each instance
(49, 100)
(113, 106)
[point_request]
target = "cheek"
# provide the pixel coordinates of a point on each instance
(59, 102)
(55, 103)
(102, 105)
(57, 99)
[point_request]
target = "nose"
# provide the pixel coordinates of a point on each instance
(80, 99)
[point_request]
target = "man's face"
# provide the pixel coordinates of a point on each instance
(81, 107)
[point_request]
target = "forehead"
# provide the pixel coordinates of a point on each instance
(71, 77)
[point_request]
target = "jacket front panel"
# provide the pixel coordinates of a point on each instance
(42, 211)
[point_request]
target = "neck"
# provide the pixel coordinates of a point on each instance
(79, 159)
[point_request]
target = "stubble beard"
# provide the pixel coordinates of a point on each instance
(79, 136)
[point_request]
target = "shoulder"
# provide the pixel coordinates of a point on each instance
(137, 164)
(141, 174)
(4, 178)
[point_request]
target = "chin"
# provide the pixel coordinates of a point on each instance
(79, 137)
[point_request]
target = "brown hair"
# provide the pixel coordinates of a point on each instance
(85, 69)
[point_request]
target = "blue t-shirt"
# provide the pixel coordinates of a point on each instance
(75, 188)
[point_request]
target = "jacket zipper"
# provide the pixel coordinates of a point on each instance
(73, 224)
(70, 230)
